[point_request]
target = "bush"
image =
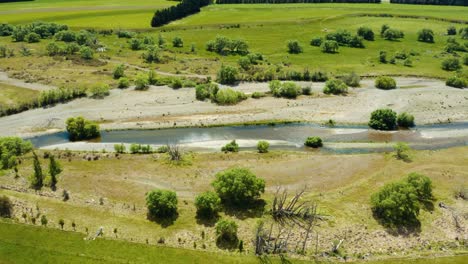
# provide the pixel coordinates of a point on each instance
(6, 208)
(119, 72)
(262, 146)
(405, 120)
(385, 83)
(393, 34)
(161, 204)
(457, 82)
(230, 147)
(319, 76)
(177, 42)
(317, 42)
(123, 82)
(125, 34)
(383, 56)
(313, 142)
(306, 90)
(99, 90)
(206, 91)
(426, 35)
(10, 149)
(464, 33)
(176, 83)
(294, 47)
(401, 151)
(152, 54)
(451, 31)
(32, 37)
(226, 230)
(120, 148)
(352, 79)
(208, 204)
(335, 86)
(258, 95)
(225, 46)
(422, 186)
(228, 96)
(366, 33)
(465, 59)
(408, 62)
(227, 75)
(330, 46)
(238, 186)
(244, 63)
(383, 119)
(286, 89)
(135, 44)
(135, 148)
(66, 36)
(451, 64)
(141, 82)
(79, 128)
(86, 53)
(356, 42)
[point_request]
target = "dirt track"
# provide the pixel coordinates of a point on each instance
(430, 101)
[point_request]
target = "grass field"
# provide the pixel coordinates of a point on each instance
(11, 96)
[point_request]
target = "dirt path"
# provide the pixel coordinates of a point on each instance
(430, 102)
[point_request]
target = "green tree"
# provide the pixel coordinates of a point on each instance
(385, 83)
(226, 230)
(335, 86)
(44, 220)
(402, 151)
(383, 119)
(238, 186)
(208, 204)
(123, 82)
(119, 71)
(366, 33)
(227, 75)
(313, 142)
(54, 169)
(177, 42)
(36, 179)
(86, 53)
(422, 186)
(294, 47)
(262, 146)
(426, 35)
(79, 128)
(451, 64)
(393, 34)
(61, 222)
(330, 46)
(405, 120)
(6, 207)
(161, 204)
(231, 147)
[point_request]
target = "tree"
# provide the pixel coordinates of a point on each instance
(393, 34)
(161, 204)
(123, 82)
(352, 79)
(32, 37)
(383, 56)
(141, 82)
(238, 186)
(401, 151)
(426, 35)
(36, 179)
(262, 146)
(119, 72)
(227, 75)
(177, 42)
(385, 83)
(231, 147)
(54, 169)
(152, 54)
(10, 149)
(44, 220)
(226, 230)
(208, 204)
(79, 128)
(86, 53)
(294, 47)
(451, 64)
(317, 42)
(330, 46)
(335, 86)
(383, 119)
(383, 29)
(135, 148)
(366, 33)
(61, 222)
(451, 30)
(228, 96)
(6, 207)
(405, 120)
(457, 82)
(313, 142)
(422, 186)
(119, 148)
(99, 90)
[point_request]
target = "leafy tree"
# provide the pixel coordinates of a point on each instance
(141, 82)
(426, 35)
(457, 82)
(383, 119)
(451, 31)
(10, 149)
(451, 64)
(422, 185)
(366, 33)
(119, 72)
(44, 220)
(161, 204)
(335, 86)
(393, 34)
(61, 222)
(6, 207)
(352, 79)
(32, 37)
(54, 169)
(401, 151)
(120, 148)
(99, 90)
(356, 42)
(244, 63)
(79, 128)
(86, 53)
(231, 147)
(226, 230)
(123, 82)
(262, 146)
(330, 46)
(177, 42)
(238, 186)
(135, 44)
(317, 42)
(135, 148)
(313, 142)
(383, 56)
(294, 47)
(36, 179)
(152, 54)
(405, 120)
(227, 75)
(385, 83)
(208, 204)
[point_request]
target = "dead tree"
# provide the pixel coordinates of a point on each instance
(174, 152)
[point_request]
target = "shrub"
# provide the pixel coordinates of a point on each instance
(208, 204)
(125, 34)
(313, 142)
(123, 82)
(228, 96)
(176, 83)
(465, 59)
(451, 64)
(408, 62)
(52, 49)
(119, 71)
(135, 148)
(177, 42)
(227, 75)
(44, 220)
(223, 45)
(383, 56)
(238, 186)
(457, 82)
(286, 89)
(426, 35)
(392, 34)
(451, 31)
(99, 90)
(401, 151)
(6, 29)
(135, 44)
(335, 86)
(120, 148)
(86, 53)
(206, 91)
(319, 76)
(294, 47)
(385, 83)
(152, 78)
(141, 82)
(32, 37)
(306, 90)
(152, 54)
(464, 33)
(356, 42)
(262, 146)
(10, 149)
(352, 79)
(405, 120)
(79, 128)
(6, 208)
(317, 42)
(330, 46)
(161, 204)
(383, 119)
(422, 185)
(226, 230)
(258, 95)
(366, 33)
(66, 36)
(230, 147)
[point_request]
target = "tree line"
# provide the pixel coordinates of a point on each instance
(292, 1)
(185, 8)
(431, 2)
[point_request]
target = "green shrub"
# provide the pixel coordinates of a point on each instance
(224, 46)
(86, 53)
(335, 86)
(262, 146)
(366, 33)
(79, 128)
(176, 83)
(66, 36)
(10, 149)
(135, 148)
(464, 33)
(393, 34)
(230, 147)
(319, 76)
(426, 35)
(383, 119)
(451, 31)
(465, 59)
(206, 91)
(306, 90)
(120, 148)
(119, 71)
(317, 42)
(385, 83)
(135, 44)
(352, 79)
(422, 185)
(177, 42)
(238, 186)
(162, 149)
(161, 204)
(99, 90)
(152, 78)
(226, 230)
(6, 207)
(125, 34)
(313, 142)
(451, 64)
(227, 96)
(123, 82)
(408, 62)
(330, 46)
(286, 89)
(258, 95)
(294, 47)
(244, 63)
(152, 54)
(227, 75)
(383, 56)
(32, 37)
(402, 151)
(457, 82)
(208, 204)
(405, 120)
(141, 82)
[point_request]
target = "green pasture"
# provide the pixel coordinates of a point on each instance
(11, 96)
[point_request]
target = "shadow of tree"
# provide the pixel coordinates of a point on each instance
(227, 244)
(252, 210)
(411, 226)
(209, 221)
(163, 221)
